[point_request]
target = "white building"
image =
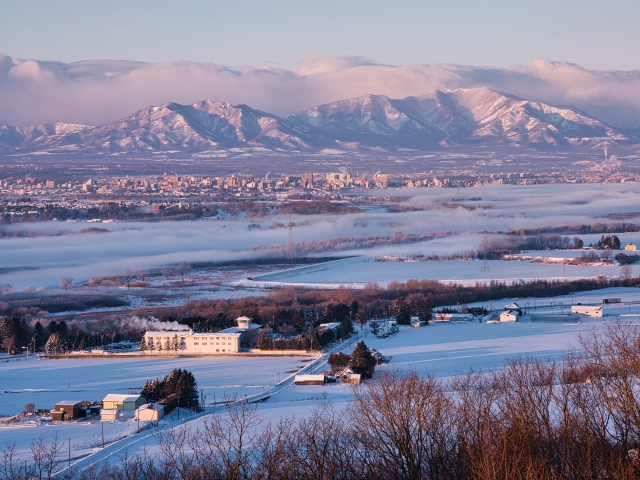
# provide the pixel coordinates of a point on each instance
(150, 412)
(190, 343)
(587, 310)
(630, 246)
(508, 317)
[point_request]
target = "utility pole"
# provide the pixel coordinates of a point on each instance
(69, 464)
(102, 433)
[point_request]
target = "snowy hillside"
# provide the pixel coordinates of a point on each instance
(460, 117)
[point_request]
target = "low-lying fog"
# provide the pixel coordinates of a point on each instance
(43, 260)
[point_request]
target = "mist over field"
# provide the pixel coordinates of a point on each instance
(42, 260)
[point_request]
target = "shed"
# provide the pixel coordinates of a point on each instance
(150, 412)
(508, 317)
(110, 414)
(309, 379)
(587, 310)
(124, 403)
(66, 410)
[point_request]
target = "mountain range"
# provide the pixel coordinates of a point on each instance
(463, 117)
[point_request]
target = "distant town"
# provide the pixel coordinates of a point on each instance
(173, 194)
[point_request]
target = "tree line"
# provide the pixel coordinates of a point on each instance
(578, 418)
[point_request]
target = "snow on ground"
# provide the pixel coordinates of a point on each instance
(356, 272)
(43, 260)
(440, 349)
(44, 382)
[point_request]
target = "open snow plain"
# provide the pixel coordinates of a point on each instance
(358, 271)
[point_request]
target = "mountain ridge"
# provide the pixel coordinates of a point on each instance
(463, 117)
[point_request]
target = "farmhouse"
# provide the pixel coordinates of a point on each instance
(350, 377)
(587, 310)
(123, 403)
(66, 410)
(230, 340)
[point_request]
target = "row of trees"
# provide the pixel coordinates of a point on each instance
(574, 419)
(17, 335)
(180, 384)
(170, 344)
(596, 227)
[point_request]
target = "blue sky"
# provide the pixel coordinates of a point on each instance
(595, 34)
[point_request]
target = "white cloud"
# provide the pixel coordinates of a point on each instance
(100, 91)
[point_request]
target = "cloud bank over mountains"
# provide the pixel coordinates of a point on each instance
(101, 91)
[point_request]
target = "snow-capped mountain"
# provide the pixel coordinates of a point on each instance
(464, 116)
(460, 117)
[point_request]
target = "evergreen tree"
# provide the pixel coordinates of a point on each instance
(54, 344)
(152, 390)
(143, 344)
(175, 345)
(167, 344)
(361, 360)
(402, 311)
(421, 307)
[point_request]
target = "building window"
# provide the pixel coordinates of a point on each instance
(196, 343)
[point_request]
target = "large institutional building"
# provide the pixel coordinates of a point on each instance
(225, 341)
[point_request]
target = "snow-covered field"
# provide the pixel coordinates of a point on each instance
(358, 271)
(440, 349)
(43, 260)
(44, 382)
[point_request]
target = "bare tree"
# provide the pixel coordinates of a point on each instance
(65, 283)
(45, 457)
(626, 271)
(181, 269)
(29, 407)
(606, 255)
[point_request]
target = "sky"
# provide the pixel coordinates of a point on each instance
(500, 33)
(96, 62)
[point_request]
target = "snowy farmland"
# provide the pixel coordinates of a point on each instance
(358, 271)
(44, 382)
(442, 350)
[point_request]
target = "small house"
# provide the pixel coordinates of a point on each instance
(66, 410)
(150, 412)
(630, 246)
(123, 403)
(508, 317)
(350, 377)
(587, 311)
(309, 379)
(110, 414)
